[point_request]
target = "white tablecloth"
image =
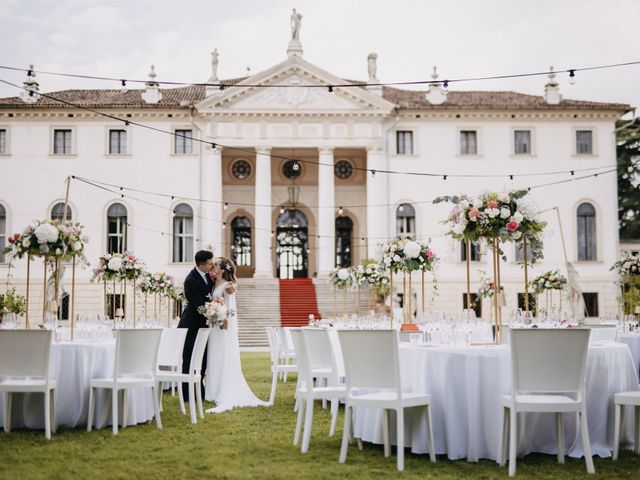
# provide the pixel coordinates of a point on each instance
(466, 383)
(633, 340)
(73, 366)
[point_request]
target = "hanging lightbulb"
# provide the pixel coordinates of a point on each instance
(226, 205)
(340, 211)
(572, 77)
(281, 210)
(124, 88)
(224, 225)
(295, 166)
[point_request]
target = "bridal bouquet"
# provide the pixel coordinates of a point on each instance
(215, 312)
(408, 256)
(509, 216)
(551, 280)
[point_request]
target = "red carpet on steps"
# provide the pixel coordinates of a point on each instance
(297, 301)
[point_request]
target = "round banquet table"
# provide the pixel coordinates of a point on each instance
(466, 383)
(633, 340)
(73, 365)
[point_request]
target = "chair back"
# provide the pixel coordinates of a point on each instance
(338, 361)
(199, 347)
(302, 358)
(548, 360)
(25, 353)
(318, 347)
(273, 345)
(370, 358)
(137, 351)
(603, 333)
(171, 346)
(285, 342)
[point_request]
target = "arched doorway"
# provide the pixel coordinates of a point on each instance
(292, 239)
(344, 229)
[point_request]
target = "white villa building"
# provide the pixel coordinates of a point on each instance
(279, 218)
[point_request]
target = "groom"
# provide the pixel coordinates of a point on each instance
(198, 287)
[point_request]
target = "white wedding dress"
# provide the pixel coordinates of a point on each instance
(225, 382)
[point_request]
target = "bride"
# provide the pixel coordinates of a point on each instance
(225, 383)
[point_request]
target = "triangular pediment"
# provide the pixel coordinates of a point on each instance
(297, 93)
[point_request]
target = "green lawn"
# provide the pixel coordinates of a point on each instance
(249, 443)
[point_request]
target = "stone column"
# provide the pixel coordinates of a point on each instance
(211, 188)
(326, 213)
(262, 231)
(377, 193)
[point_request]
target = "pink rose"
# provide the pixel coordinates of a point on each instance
(474, 213)
(429, 254)
(492, 204)
(512, 226)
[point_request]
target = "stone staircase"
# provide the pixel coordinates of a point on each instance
(258, 305)
(325, 299)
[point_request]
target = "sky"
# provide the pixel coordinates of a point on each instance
(463, 38)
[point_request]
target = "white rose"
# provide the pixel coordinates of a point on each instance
(505, 212)
(77, 246)
(477, 203)
(492, 212)
(343, 274)
(25, 243)
(115, 263)
(368, 270)
(397, 258)
(412, 250)
(46, 233)
(393, 248)
(464, 204)
(517, 217)
(387, 261)
(385, 248)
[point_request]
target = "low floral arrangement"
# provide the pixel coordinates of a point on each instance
(509, 216)
(551, 280)
(342, 278)
(408, 256)
(10, 302)
(109, 268)
(159, 282)
(371, 274)
(216, 313)
(49, 238)
(628, 265)
(132, 267)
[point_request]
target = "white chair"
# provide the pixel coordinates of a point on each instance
(621, 400)
(25, 368)
(170, 356)
(192, 378)
(277, 368)
(372, 367)
(547, 375)
(603, 333)
(286, 352)
(307, 392)
(135, 367)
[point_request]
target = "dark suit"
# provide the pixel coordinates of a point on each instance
(197, 292)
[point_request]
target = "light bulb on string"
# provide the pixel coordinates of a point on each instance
(124, 88)
(281, 210)
(295, 166)
(340, 211)
(572, 77)
(226, 205)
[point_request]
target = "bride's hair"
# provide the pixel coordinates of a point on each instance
(228, 269)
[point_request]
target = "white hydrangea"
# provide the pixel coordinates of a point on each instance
(526, 207)
(343, 274)
(412, 250)
(46, 233)
(115, 263)
(464, 204)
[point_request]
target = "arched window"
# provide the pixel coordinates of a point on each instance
(405, 220)
(344, 233)
(182, 233)
(117, 228)
(587, 232)
(58, 211)
(3, 231)
(241, 241)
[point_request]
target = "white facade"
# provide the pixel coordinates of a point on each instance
(315, 126)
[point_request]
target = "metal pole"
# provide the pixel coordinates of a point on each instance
(526, 275)
(44, 292)
(423, 294)
(26, 312)
(467, 246)
(73, 294)
(134, 302)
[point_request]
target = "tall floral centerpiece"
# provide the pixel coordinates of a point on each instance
(341, 278)
(55, 241)
(495, 218)
(628, 271)
(407, 256)
(108, 271)
(159, 285)
(375, 278)
(548, 282)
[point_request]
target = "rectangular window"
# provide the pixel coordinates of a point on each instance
(3, 229)
(476, 304)
(117, 142)
(62, 142)
(113, 303)
(183, 142)
(520, 253)
(3, 141)
(474, 249)
(532, 302)
(116, 234)
(63, 308)
(468, 142)
(591, 303)
(182, 239)
(404, 142)
(584, 142)
(522, 142)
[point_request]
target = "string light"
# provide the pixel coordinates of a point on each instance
(330, 88)
(281, 210)
(226, 205)
(340, 211)
(295, 166)
(445, 84)
(124, 88)
(572, 77)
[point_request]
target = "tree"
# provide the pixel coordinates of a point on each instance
(628, 153)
